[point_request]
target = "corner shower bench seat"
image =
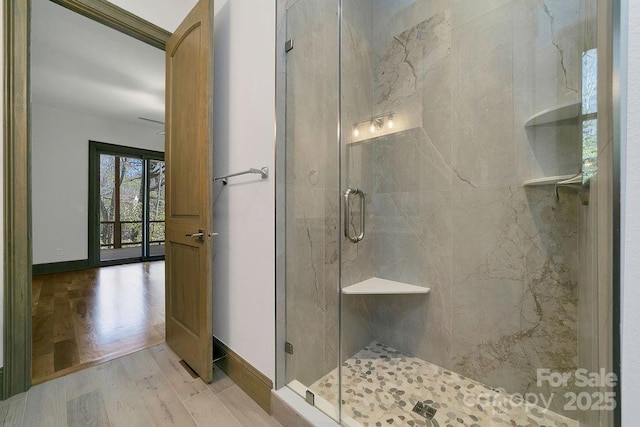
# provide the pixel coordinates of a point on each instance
(378, 286)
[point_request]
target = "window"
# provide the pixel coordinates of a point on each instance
(128, 200)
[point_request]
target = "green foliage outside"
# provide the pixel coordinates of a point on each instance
(130, 176)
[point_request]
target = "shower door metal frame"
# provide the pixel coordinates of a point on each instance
(280, 195)
(619, 84)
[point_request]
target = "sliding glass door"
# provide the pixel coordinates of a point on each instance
(127, 189)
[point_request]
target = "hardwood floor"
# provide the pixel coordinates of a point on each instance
(145, 388)
(87, 317)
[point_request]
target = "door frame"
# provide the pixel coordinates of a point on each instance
(16, 374)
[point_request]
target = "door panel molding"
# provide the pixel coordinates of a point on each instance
(17, 170)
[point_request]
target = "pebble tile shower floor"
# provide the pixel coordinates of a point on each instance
(382, 386)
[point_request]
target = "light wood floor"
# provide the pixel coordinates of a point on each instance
(86, 317)
(145, 388)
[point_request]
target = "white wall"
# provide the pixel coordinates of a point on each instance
(631, 216)
(60, 175)
(244, 211)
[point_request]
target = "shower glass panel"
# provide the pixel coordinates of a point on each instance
(312, 198)
(440, 231)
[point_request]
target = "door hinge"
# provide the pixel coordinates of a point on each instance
(310, 398)
(288, 348)
(288, 46)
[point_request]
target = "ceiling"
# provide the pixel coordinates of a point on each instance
(80, 65)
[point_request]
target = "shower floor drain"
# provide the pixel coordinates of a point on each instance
(425, 410)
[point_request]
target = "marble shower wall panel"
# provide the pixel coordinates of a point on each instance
(514, 248)
(488, 285)
(357, 63)
(412, 178)
(311, 188)
(331, 96)
(407, 162)
(412, 73)
(357, 318)
(514, 286)
(306, 295)
(551, 288)
(393, 18)
(312, 86)
(307, 113)
(483, 150)
(306, 304)
(413, 245)
(413, 237)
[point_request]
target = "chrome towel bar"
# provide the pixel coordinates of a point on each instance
(263, 172)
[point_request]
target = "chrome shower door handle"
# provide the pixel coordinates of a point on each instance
(347, 212)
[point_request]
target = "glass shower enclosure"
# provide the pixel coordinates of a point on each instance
(436, 232)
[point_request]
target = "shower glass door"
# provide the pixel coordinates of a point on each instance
(312, 200)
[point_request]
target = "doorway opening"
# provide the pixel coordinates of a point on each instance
(97, 292)
(18, 246)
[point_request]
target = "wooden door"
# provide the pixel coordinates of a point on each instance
(189, 179)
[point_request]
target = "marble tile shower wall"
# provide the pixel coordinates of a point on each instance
(448, 205)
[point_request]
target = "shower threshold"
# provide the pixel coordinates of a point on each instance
(382, 386)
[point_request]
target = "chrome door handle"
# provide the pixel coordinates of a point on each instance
(198, 235)
(347, 211)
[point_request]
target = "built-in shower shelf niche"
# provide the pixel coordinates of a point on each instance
(548, 180)
(570, 110)
(378, 286)
(380, 136)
